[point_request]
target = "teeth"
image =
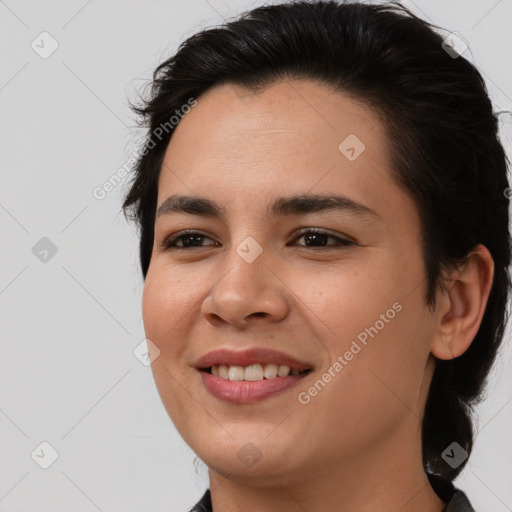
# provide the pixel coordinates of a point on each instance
(223, 371)
(236, 373)
(270, 371)
(252, 372)
(283, 371)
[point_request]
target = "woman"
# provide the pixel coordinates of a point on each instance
(323, 213)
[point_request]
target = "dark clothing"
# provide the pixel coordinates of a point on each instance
(455, 499)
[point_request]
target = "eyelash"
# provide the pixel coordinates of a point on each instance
(167, 243)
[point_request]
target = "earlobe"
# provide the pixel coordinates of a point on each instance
(461, 305)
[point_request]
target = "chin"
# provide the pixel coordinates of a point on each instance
(262, 472)
(246, 456)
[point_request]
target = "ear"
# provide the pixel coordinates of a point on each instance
(461, 305)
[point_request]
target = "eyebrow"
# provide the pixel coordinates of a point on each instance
(292, 205)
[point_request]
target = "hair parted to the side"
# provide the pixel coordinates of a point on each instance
(443, 137)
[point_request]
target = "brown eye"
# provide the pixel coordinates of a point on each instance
(186, 240)
(315, 238)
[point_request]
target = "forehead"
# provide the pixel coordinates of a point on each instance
(292, 137)
(291, 120)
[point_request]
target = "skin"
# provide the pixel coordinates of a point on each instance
(356, 445)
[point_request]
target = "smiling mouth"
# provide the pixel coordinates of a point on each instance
(250, 384)
(250, 376)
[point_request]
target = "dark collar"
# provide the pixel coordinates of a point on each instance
(455, 499)
(204, 504)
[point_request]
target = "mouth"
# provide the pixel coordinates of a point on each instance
(243, 377)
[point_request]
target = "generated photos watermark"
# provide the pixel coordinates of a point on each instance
(100, 192)
(343, 360)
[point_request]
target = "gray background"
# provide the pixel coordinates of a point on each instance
(70, 324)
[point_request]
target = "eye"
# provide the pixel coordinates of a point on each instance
(189, 239)
(319, 239)
(313, 237)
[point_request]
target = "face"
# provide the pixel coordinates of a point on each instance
(345, 301)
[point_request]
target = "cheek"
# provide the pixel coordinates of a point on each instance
(350, 298)
(168, 297)
(165, 305)
(156, 307)
(376, 323)
(376, 385)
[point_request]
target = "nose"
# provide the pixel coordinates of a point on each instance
(247, 294)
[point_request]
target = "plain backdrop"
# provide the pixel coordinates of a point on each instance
(70, 284)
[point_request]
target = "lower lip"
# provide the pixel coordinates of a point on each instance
(245, 392)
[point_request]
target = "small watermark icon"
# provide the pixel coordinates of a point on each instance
(44, 45)
(351, 147)
(454, 45)
(44, 455)
(44, 250)
(146, 352)
(249, 455)
(249, 249)
(454, 455)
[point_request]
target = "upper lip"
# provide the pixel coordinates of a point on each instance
(250, 356)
